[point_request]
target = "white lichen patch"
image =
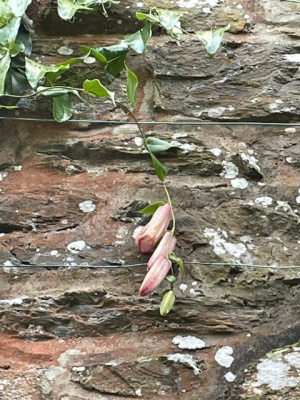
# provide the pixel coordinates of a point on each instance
(250, 159)
(239, 183)
(292, 57)
(53, 253)
(222, 245)
(76, 247)
(3, 175)
(223, 356)
(65, 51)
(87, 206)
(230, 170)
(216, 112)
(138, 141)
(275, 373)
(216, 151)
(183, 287)
(89, 60)
(265, 201)
(188, 342)
(298, 198)
(17, 301)
(185, 359)
(230, 377)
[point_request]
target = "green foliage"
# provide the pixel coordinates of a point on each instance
(62, 110)
(158, 146)
(212, 39)
(152, 207)
(96, 88)
(67, 8)
(4, 66)
(173, 257)
(131, 86)
(160, 169)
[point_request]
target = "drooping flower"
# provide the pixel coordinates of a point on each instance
(153, 231)
(166, 246)
(158, 264)
(155, 275)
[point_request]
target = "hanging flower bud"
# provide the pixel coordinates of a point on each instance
(166, 246)
(155, 275)
(153, 231)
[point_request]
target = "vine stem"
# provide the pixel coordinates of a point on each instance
(124, 107)
(172, 211)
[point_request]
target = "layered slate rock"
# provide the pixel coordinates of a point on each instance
(69, 200)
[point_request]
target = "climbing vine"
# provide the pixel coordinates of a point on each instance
(22, 77)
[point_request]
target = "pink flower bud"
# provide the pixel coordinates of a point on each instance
(153, 231)
(155, 275)
(166, 246)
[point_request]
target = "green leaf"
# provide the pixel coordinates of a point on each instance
(6, 13)
(167, 303)
(138, 40)
(152, 207)
(212, 39)
(171, 278)
(67, 8)
(16, 82)
(18, 7)
(4, 67)
(157, 145)
(169, 18)
(17, 48)
(131, 86)
(9, 31)
(52, 75)
(95, 87)
(111, 57)
(160, 169)
(62, 110)
(8, 107)
(173, 257)
(36, 71)
(56, 91)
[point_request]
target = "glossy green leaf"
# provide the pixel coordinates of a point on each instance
(6, 13)
(171, 278)
(26, 34)
(173, 257)
(16, 82)
(111, 57)
(131, 86)
(167, 303)
(169, 18)
(36, 71)
(62, 110)
(9, 31)
(8, 107)
(67, 8)
(52, 75)
(212, 39)
(95, 87)
(55, 91)
(152, 207)
(17, 48)
(157, 145)
(4, 66)
(18, 7)
(160, 169)
(138, 40)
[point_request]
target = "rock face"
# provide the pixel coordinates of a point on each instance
(70, 195)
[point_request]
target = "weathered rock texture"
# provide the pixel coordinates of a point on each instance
(73, 332)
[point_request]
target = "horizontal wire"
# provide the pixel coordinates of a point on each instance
(118, 122)
(141, 264)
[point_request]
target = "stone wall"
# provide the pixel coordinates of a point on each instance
(69, 195)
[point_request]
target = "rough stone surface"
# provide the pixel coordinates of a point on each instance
(72, 332)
